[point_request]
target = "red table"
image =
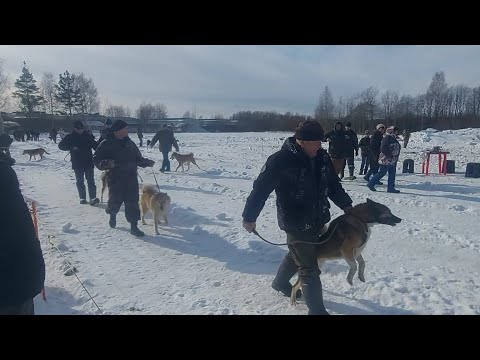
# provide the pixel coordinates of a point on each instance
(442, 166)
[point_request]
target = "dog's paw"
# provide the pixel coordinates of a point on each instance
(350, 281)
(361, 278)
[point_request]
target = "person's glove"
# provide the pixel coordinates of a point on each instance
(249, 226)
(356, 152)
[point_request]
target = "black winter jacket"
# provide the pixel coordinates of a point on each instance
(302, 186)
(80, 147)
(22, 268)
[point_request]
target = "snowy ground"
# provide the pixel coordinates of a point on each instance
(205, 263)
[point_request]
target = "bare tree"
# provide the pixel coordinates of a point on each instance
(160, 111)
(118, 111)
(4, 87)
(368, 97)
(461, 94)
(340, 108)
(350, 104)
(389, 101)
(88, 101)
(473, 102)
(436, 94)
(187, 114)
(145, 112)
(325, 108)
(47, 91)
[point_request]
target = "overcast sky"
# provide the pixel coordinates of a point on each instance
(228, 78)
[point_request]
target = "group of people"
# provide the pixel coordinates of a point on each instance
(379, 153)
(117, 154)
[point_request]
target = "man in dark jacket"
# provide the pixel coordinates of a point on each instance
(303, 178)
(338, 145)
(166, 139)
(120, 156)
(80, 144)
(350, 150)
(375, 142)
(106, 132)
(364, 145)
(22, 268)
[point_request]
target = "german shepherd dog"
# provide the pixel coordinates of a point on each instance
(184, 159)
(347, 236)
(35, 152)
(156, 202)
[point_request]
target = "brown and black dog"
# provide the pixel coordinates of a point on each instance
(347, 236)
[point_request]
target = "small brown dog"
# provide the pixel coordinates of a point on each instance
(156, 202)
(184, 159)
(35, 152)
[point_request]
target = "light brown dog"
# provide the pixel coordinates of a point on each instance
(35, 152)
(184, 159)
(347, 236)
(156, 202)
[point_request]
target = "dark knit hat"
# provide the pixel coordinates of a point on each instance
(349, 124)
(78, 125)
(309, 130)
(119, 125)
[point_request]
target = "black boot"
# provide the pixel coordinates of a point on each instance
(134, 230)
(113, 221)
(312, 293)
(285, 272)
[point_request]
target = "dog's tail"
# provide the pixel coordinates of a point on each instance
(148, 189)
(46, 152)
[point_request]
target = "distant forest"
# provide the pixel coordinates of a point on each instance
(442, 106)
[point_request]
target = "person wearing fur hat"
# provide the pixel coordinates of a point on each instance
(120, 156)
(303, 177)
(388, 158)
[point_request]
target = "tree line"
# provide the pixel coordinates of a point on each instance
(441, 106)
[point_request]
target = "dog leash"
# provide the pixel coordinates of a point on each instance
(153, 172)
(300, 241)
